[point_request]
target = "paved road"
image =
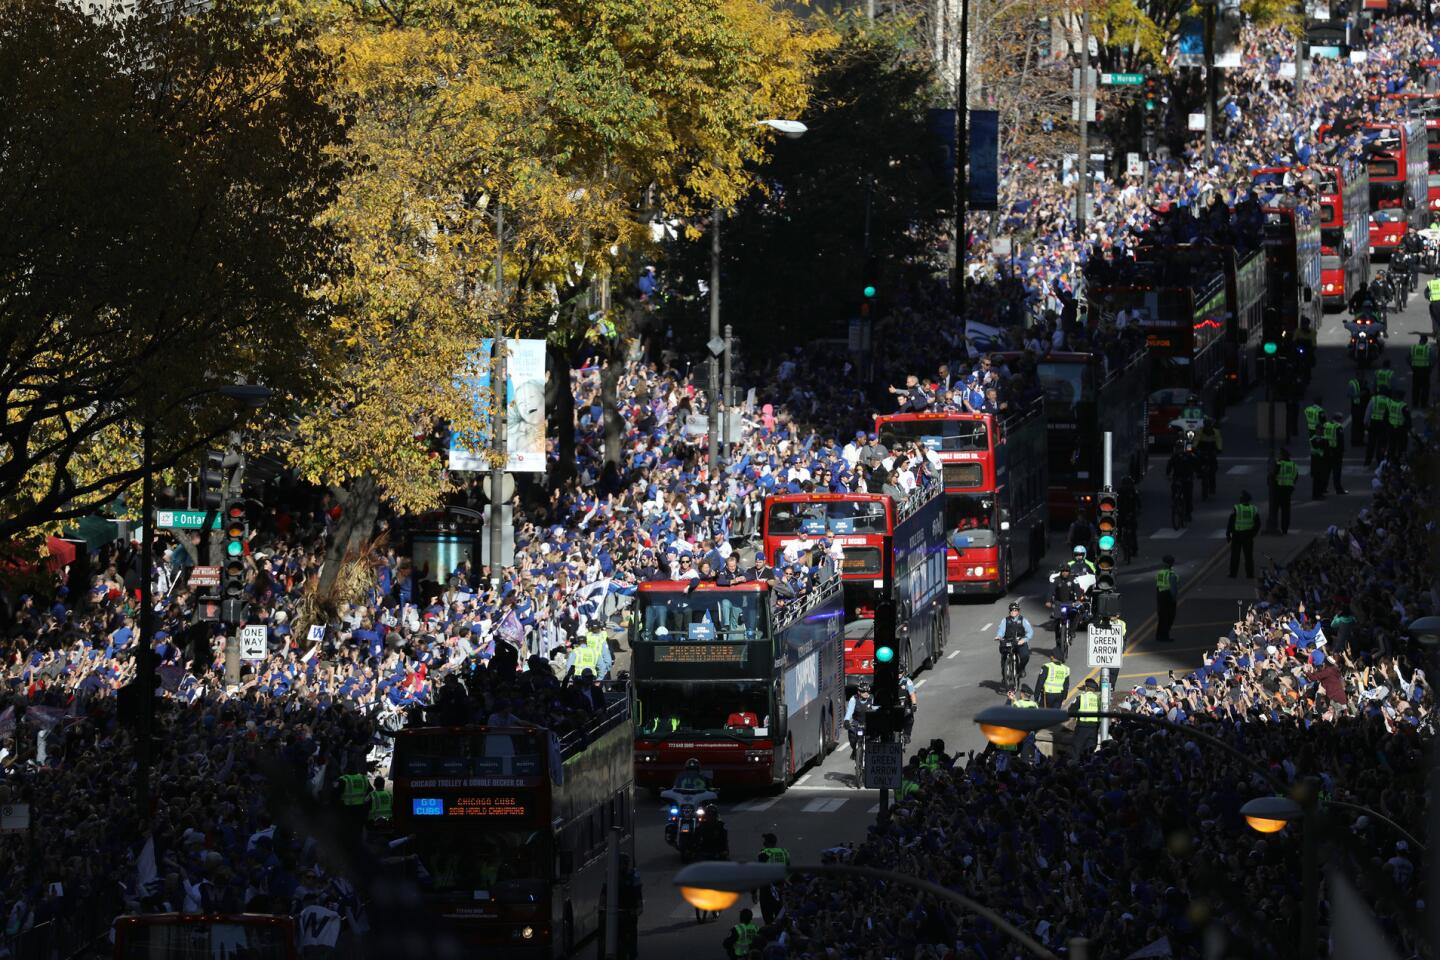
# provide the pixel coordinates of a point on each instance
(821, 810)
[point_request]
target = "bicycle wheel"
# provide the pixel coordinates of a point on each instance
(859, 763)
(1177, 515)
(1064, 642)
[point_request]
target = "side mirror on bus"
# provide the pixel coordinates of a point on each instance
(1349, 250)
(1409, 203)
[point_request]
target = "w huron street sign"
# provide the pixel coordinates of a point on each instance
(1122, 79)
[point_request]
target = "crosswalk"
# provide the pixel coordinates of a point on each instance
(1259, 469)
(816, 805)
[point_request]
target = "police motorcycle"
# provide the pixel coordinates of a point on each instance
(1072, 615)
(690, 801)
(1366, 340)
(1191, 419)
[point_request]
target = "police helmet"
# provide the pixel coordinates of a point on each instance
(863, 688)
(1080, 550)
(1015, 606)
(693, 764)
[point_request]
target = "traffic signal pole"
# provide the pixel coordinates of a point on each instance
(886, 666)
(1105, 673)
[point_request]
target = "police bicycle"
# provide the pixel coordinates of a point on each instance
(857, 730)
(1010, 666)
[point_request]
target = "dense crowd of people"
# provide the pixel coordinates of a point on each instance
(534, 648)
(1141, 846)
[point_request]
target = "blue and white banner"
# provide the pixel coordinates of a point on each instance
(524, 408)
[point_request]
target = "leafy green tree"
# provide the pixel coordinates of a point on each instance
(164, 174)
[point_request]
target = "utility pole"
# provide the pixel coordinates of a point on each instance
(962, 161)
(497, 388)
(714, 385)
(725, 430)
(1302, 61)
(1083, 181)
(1210, 85)
(145, 649)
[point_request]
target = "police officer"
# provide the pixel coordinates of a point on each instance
(770, 898)
(1334, 432)
(1167, 598)
(1377, 427)
(1384, 378)
(1422, 360)
(354, 802)
(381, 802)
(1066, 591)
(1054, 681)
(1432, 293)
(1319, 458)
(1358, 390)
(1240, 530)
(742, 935)
(1208, 447)
(1087, 729)
(1015, 629)
(1313, 415)
(1282, 486)
(1398, 427)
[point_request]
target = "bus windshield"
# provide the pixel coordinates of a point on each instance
(701, 616)
(736, 709)
(1066, 387)
(969, 520)
(508, 866)
(836, 517)
(218, 940)
(937, 434)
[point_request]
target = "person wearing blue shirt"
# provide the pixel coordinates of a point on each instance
(1016, 629)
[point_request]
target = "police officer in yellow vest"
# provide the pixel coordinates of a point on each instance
(770, 899)
(354, 802)
(1087, 729)
(381, 801)
(1319, 458)
(1358, 390)
(1432, 293)
(584, 655)
(742, 935)
(1397, 413)
(1313, 414)
(1422, 361)
(1054, 680)
(1377, 427)
(1167, 598)
(1334, 432)
(1384, 377)
(1282, 487)
(1240, 530)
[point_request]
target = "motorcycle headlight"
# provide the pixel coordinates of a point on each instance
(674, 811)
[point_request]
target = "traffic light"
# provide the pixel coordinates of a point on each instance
(869, 286)
(1107, 522)
(232, 577)
(887, 659)
(212, 480)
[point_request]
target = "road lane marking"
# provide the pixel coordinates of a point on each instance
(1168, 533)
(953, 655)
(921, 682)
(874, 809)
(1240, 468)
(756, 806)
(803, 779)
(823, 805)
(988, 625)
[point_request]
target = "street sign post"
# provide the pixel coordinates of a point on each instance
(883, 762)
(1122, 79)
(253, 642)
(184, 519)
(204, 576)
(1106, 645)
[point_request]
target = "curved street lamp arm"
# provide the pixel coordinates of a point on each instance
(1360, 808)
(944, 893)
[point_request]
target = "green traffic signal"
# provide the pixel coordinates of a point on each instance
(234, 548)
(869, 292)
(1107, 543)
(1270, 348)
(884, 654)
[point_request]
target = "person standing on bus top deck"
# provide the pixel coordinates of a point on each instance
(731, 573)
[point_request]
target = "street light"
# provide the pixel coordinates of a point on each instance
(248, 397)
(703, 884)
(1271, 814)
(793, 130)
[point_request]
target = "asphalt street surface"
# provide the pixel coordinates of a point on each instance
(823, 809)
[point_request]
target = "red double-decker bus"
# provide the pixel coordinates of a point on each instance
(861, 524)
(994, 471)
(1425, 106)
(1399, 181)
(187, 936)
(1343, 196)
(748, 679)
(507, 828)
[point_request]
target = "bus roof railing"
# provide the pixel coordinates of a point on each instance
(616, 712)
(917, 498)
(816, 595)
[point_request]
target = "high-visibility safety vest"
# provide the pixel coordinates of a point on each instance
(1164, 580)
(1312, 416)
(586, 658)
(1420, 353)
(1332, 434)
(1286, 472)
(1383, 377)
(745, 934)
(1089, 703)
(353, 788)
(1247, 515)
(1056, 673)
(1432, 289)
(381, 804)
(931, 761)
(1356, 389)
(1396, 411)
(776, 855)
(1380, 409)
(908, 787)
(1317, 444)
(1026, 704)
